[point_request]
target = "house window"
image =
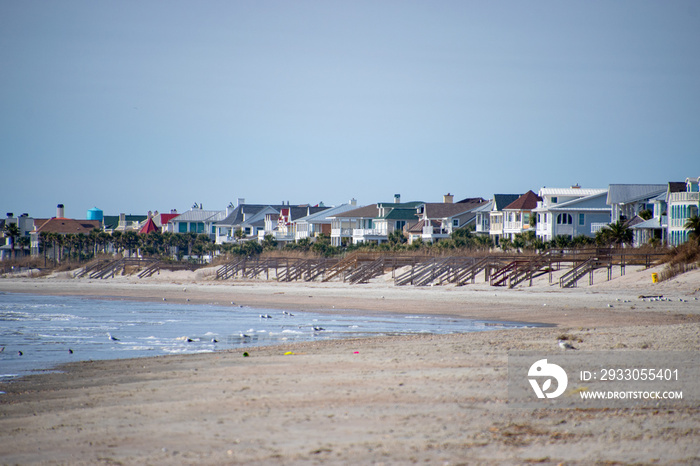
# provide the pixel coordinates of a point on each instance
(554, 200)
(564, 219)
(581, 219)
(455, 222)
(182, 227)
(400, 224)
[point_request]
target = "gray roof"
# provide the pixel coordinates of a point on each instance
(502, 200)
(197, 215)
(626, 193)
(251, 210)
(324, 216)
(587, 203)
(651, 224)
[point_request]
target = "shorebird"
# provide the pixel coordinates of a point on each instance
(70, 351)
(214, 340)
(318, 329)
(109, 335)
(19, 353)
(565, 345)
(243, 335)
(265, 316)
(2, 348)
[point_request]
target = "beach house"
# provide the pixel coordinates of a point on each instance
(571, 212)
(517, 216)
(196, 220)
(437, 220)
(496, 220)
(683, 203)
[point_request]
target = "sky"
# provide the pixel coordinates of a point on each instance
(131, 106)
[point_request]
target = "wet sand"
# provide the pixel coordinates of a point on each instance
(398, 400)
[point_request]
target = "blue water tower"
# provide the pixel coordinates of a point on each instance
(95, 214)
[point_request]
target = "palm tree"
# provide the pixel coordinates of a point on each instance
(12, 232)
(24, 242)
(43, 242)
(94, 237)
(619, 234)
(116, 241)
(693, 224)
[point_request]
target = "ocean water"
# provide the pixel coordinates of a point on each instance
(50, 330)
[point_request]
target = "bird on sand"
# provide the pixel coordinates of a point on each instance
(565, 345)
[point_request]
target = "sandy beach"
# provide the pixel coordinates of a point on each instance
(394, 400)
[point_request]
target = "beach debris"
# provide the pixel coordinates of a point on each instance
(109, 335)
(245, 355)
(289, 353)
(355, 352)
(565, 345)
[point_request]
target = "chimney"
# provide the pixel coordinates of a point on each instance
(59, 211)
(10, 215)
(353, 201)
(447, 198)
(241, 201)
(397, 198)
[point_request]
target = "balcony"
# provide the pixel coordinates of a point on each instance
(341, 232)
(596, 227)
(684, 197)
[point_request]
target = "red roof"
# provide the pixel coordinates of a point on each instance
(165, 218)
(527, 201)
(148, 227)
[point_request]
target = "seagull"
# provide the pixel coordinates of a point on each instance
(265, 316)
(318, 329)
(189, 340)
(214, 340)
(111, 337)
(70, 351)
(243, 335)
(19, 353)
(565, 345)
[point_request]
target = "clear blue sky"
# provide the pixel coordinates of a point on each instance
(144, 105)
